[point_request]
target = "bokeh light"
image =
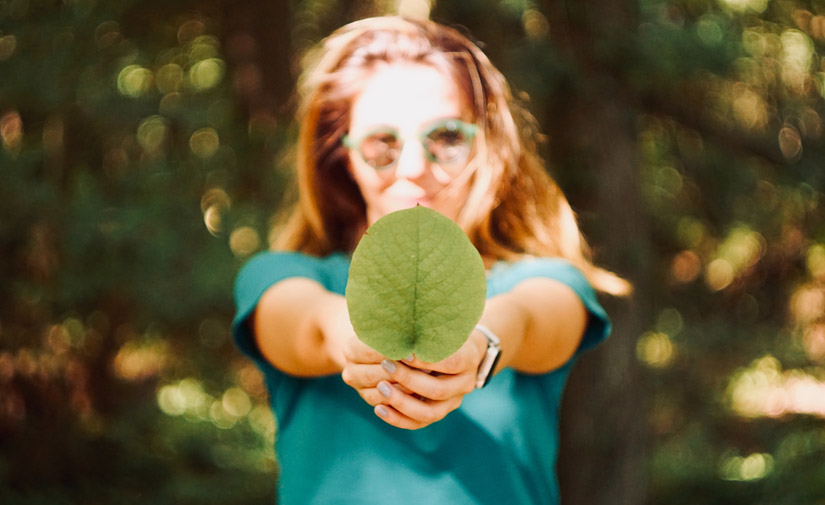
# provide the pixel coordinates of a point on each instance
(244, 241)
(814, 342)
(169, 78)
(748, 468)
(189, 30)
(107, 34)
(206, 74)
(134, 81)
(746, 5)
(177, 399)
(8, 43)
(204, 142)
(140, 361)
(808, 303)
(535, 24)
(215, 203)
(815, 261)
(151, 134)
(797, 52)
(709, 31)
(719, 274)
(763, 389)
(419, 9)
(685, 267)
(655, 349)
(11, 132)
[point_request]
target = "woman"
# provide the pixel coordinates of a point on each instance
(397, 113)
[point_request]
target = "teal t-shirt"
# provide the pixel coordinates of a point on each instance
(499, 447)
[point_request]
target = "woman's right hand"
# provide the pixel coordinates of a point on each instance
(408, 394)
(411, 394)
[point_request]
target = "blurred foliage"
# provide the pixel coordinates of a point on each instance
(141, 164)
(122, 149)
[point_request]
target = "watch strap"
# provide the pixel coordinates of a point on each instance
(491, 357)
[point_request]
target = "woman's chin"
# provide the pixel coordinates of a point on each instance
(399, 204)
(409, 203)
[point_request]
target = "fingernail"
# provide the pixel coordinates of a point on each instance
(384, 389)
(382, 411)
(408, 358)
(388, 365)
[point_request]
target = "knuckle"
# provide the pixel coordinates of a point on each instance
(438, 392)
(346, 375)
(409, 425)
(370, 397)
(428, 417)
(349, 355)
(468, 385)
(401, 373)
(453, 363)
(457, 403)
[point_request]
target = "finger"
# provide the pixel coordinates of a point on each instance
(424, 411)
(431, 386)
(394, 418)
(363, 376)
(374, 397)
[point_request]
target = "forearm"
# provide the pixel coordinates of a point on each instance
(296, 324)
(540, 324)
(508, 321)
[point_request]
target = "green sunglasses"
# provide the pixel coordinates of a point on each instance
(445, 141)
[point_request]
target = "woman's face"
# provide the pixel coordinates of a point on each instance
(400, 123)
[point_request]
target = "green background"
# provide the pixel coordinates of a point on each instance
(145, 151)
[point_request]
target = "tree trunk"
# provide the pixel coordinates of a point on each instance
(593, 132)
(257, 35)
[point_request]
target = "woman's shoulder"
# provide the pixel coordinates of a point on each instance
(267, 268)
(293, 260)
(505, 275)
(271, 258)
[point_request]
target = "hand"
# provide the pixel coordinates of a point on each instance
(412, 394)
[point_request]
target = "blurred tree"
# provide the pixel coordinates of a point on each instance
(594, 131)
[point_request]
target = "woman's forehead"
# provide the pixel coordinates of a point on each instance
(405, 94)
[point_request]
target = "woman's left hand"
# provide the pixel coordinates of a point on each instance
(418, 394)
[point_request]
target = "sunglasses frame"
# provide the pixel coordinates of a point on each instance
(467, 129)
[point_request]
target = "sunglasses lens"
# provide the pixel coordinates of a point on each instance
(381, 149)
(448, 143)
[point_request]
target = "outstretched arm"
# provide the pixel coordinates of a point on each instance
(540, 323)
(304, 330)
(301, 328)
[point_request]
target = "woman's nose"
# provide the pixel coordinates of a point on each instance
(412, 162)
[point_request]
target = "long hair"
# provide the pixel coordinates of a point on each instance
(514, 208)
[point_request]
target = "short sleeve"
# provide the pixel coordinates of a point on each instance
(266, 269)
(598, 327)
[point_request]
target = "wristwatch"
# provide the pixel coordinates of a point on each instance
(488, 363)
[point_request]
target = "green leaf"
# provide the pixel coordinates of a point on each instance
(417, 285)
